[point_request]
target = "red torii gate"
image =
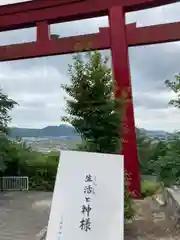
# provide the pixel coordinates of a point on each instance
(117, 37)
(136, 36)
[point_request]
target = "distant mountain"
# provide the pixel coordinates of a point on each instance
(49, 131)
(152, 131)
(155, 134)
(65, 130)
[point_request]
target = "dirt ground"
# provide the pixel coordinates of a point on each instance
(150, 223)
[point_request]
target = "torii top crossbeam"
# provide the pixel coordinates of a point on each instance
(27, 14)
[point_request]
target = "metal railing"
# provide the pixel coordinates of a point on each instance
(14, 183)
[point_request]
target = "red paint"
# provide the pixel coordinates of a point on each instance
(130, 5)
(23, 15)
(33, 5)
(120, 60)
(43, 32)
(154, 34)
(100, 41)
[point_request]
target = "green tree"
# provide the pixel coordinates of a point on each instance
(174, 86)
(93, 110)
(4, 153)
(6, 104)
(91, 107)
(149, 151)
(144, 147)
(42, 171)
(159, 150)
(166, 157)
(17, 158)
(167, 166)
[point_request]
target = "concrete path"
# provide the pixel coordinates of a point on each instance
(23, 214)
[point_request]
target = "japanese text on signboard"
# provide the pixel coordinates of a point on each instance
(89, 192)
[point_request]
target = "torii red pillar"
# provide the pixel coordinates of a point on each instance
(120, 60)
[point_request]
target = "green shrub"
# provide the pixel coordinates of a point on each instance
(42, 172)
(128, 202)
(149, 188)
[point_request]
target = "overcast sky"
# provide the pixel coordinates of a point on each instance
(35, 83)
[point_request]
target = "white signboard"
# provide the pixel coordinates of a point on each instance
(88, 199)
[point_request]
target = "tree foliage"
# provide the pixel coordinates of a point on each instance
(144, 147)
(91, 107)
(174, 86)
(149, 151)
(6, 104)
(169, 168)
(167, 165)
(162, 160)
(41, 168)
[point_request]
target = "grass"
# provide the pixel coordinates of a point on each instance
(149, 188)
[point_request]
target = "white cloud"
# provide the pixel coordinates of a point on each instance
(161, 119)
(158, 15)
(37, 91)
(34, 80)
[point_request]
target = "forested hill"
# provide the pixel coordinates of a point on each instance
(64, 130)
(49, 131)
